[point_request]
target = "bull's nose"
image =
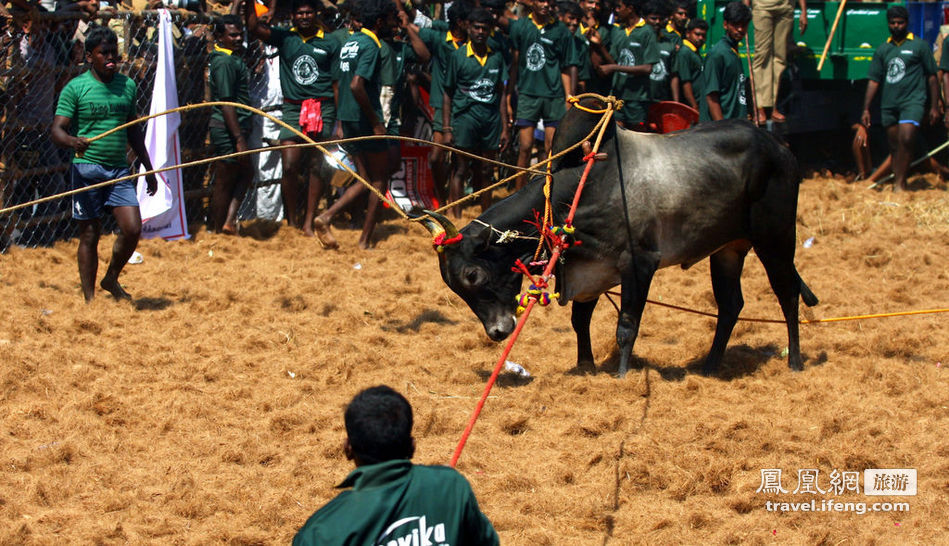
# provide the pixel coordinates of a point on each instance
(501, 328)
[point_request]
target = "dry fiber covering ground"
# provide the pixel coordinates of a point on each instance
(210, 409)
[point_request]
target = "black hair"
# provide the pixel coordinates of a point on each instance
(897, 12)
(297, 4)
(481, 15)
(700, 24)
(368, 12)
(493, 4)
(570, 8)
(100, 35)
(379, 424)
(458, 12)
(736, 13)
(657, 7)
(221, 22)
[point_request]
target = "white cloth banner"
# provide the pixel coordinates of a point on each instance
(163, 214)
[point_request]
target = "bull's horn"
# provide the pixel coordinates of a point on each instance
(436, 223)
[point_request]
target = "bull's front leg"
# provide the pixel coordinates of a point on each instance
(635, 285)
(580, 316)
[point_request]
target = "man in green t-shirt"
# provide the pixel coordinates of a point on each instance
(92, 103)
(307, 55)
(630, 61)
(723, 79)
(594, 27)
(389, 500)
(474, 105)
(687, 77)
(397, 53)
(660, 80)
(229, 127)
(544, 74)
(360, 113)
(905, 68)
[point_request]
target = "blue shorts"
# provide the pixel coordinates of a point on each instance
(91, 204)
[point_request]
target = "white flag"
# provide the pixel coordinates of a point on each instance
(163, 214)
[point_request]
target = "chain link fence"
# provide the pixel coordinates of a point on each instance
(40, 54)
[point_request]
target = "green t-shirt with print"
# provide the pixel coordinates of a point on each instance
(441, 44)
(544, 54)
(724, 73)
(474, 83)
(633, 47)
(228, 80)
(95, 107)
(360, 56)
(306, 63)
(394, 55)
(902, 70)
(661, 76)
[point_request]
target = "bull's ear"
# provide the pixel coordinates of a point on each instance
(482, 237)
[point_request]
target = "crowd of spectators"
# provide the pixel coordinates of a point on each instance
(486, 76)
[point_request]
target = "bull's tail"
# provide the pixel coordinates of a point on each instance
(809, 298)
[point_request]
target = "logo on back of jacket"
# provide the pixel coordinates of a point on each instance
(413, 531)
(349, 52)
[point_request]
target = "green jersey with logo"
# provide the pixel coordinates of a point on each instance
(902, 70)
(95, 107)
(633, 47)
(228, 80)
(545, 51)
(688, 66)
(396, 502)
(473, 83)
(661, 77)
(724, 74)
(360, 56)
(306, 63)
(441, 44)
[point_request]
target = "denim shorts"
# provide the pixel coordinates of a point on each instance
(89, 205)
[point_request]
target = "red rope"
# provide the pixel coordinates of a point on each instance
(558, 244)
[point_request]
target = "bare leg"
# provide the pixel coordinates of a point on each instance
(548, 141)
(313, 196)
(902, 137)
(458, 177)
(525, 136)
(129, 220)
(440, 169)
(290, 182)
(478, 178)
(225, 178)
(377, 167)
(88, 256)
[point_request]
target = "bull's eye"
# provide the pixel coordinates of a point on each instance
(474, 276)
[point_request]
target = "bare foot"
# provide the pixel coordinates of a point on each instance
(227, 229)
(323, 233)
(113, 287)
(364, 245)
(778, 117)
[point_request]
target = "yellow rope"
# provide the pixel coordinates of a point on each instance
(310, 143)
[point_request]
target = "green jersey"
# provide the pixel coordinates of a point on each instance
(95, 107)
(228, 80)
(394, 56)
(943, 57)
(661, 77)
(595, 83)
(306, 63)
(545, 52)
(360, 56)
(724, 74)
(441, 44)
(474, 83)
(396, 502)
(633, 47)
(670, 33)
(902, 69)
(688, 66)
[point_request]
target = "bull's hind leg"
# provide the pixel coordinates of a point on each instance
(726, 266)
(580, 316)
(779, 264)
(635, 285)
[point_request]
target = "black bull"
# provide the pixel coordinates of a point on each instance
(657, 200)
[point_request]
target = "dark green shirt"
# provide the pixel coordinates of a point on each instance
(93, 108)
(635, 47)
(474, 87)
(306, 65)
(724, 73)
(228, 80)
(397, 502)
(661, 77)
(688, 66)
(544, 54)
(902, 70)
(394, 55)
(441, 44)
(596, 83)
(359, 56)
(943, 58)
